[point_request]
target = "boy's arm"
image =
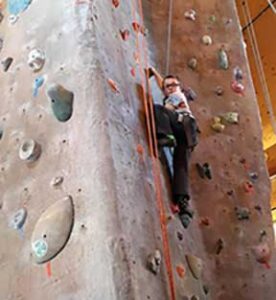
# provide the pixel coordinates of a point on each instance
(159, 79)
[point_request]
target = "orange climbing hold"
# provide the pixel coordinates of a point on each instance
(113, 85)
(140, 149)
(49, 269)
(180, 271)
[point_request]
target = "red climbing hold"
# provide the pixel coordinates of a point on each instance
(113, 85)
(125, 34)
(262, 254)
(132, 72)
(115, 3)
(48, 269)
(175, 208)
(204, 221)
(180, 271)
(136, 27)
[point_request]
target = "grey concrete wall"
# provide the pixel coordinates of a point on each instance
(116, 223)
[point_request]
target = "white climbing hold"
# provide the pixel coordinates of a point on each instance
(30, 150)
(18, 219)
(154, 262)
(190, 14)
(206, 40)
(36, 60)
(13, 19)
(56, 181)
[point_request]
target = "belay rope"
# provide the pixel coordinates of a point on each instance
(150, 124)
(169, 37)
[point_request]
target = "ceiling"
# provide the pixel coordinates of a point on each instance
(258, 16)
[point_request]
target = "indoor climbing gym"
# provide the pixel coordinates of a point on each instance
(137, 150)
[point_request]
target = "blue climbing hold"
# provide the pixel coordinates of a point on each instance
(17, 6)
(37, 84)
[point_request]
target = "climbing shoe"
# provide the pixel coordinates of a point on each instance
(167, 141)
(185, 220)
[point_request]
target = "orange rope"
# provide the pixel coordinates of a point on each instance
(153, 148)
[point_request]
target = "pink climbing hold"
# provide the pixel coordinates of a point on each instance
(262, 254)
(140, 149)
(175, 208)
(248, 187)
(125, 34)
(180, 271)
(237, 87)
(132, 72)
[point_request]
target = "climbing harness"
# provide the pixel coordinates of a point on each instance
(150, 124)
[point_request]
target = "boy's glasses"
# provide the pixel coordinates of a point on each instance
(172, 85)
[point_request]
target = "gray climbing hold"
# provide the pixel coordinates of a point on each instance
(18, 219)
(61, 102)
(192, 63)
(1, 133)
(238, 74)
(219, 91)
(1, 17)
(219, 246)
(154, 262)
(242, 213)
(29, 151)
(195, 265)
(52, 230)
(36, 60)
(6, 63)
(13, 19)
(194, 297)
(223, 59)
(56, 181)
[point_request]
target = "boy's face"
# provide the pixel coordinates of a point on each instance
(171, 85)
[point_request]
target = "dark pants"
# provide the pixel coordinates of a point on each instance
(166, 123)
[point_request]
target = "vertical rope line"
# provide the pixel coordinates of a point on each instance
(169, 36)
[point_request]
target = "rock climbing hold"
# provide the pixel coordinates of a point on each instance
(213, 18)
(263, 234)
(237, 74)
(204, 221)
(113, 86)
(125, 34)
(223, 59)
(242, 213)
(140, 149)
(115, 3)
(217, 125)
(248, 187)
(195, 265)
(6, 63)
(190, 14)
(219, 91)
(17, 221)
(195, 297)
(253, 176)
(237, 87)
(258, 208)
(179, 236)
(17, 6)
(132, 72)
(1, 133)
(219, 246)
(192, 63)
(206, 289)
(36, 60)
(231, 117)
(52, 230)
(190, 94)
(262, 254)
(1, 16)
(207, 170)
(29, 151)
(61, 102)
(13, 19)
(37, 84)
(206, 40)
(56, 181)
(180, 271)
(154, 262)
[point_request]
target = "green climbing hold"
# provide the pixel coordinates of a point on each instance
(61, 102)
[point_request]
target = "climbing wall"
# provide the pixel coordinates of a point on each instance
(84, 203)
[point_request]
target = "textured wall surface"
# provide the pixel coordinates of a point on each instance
(116, 220)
